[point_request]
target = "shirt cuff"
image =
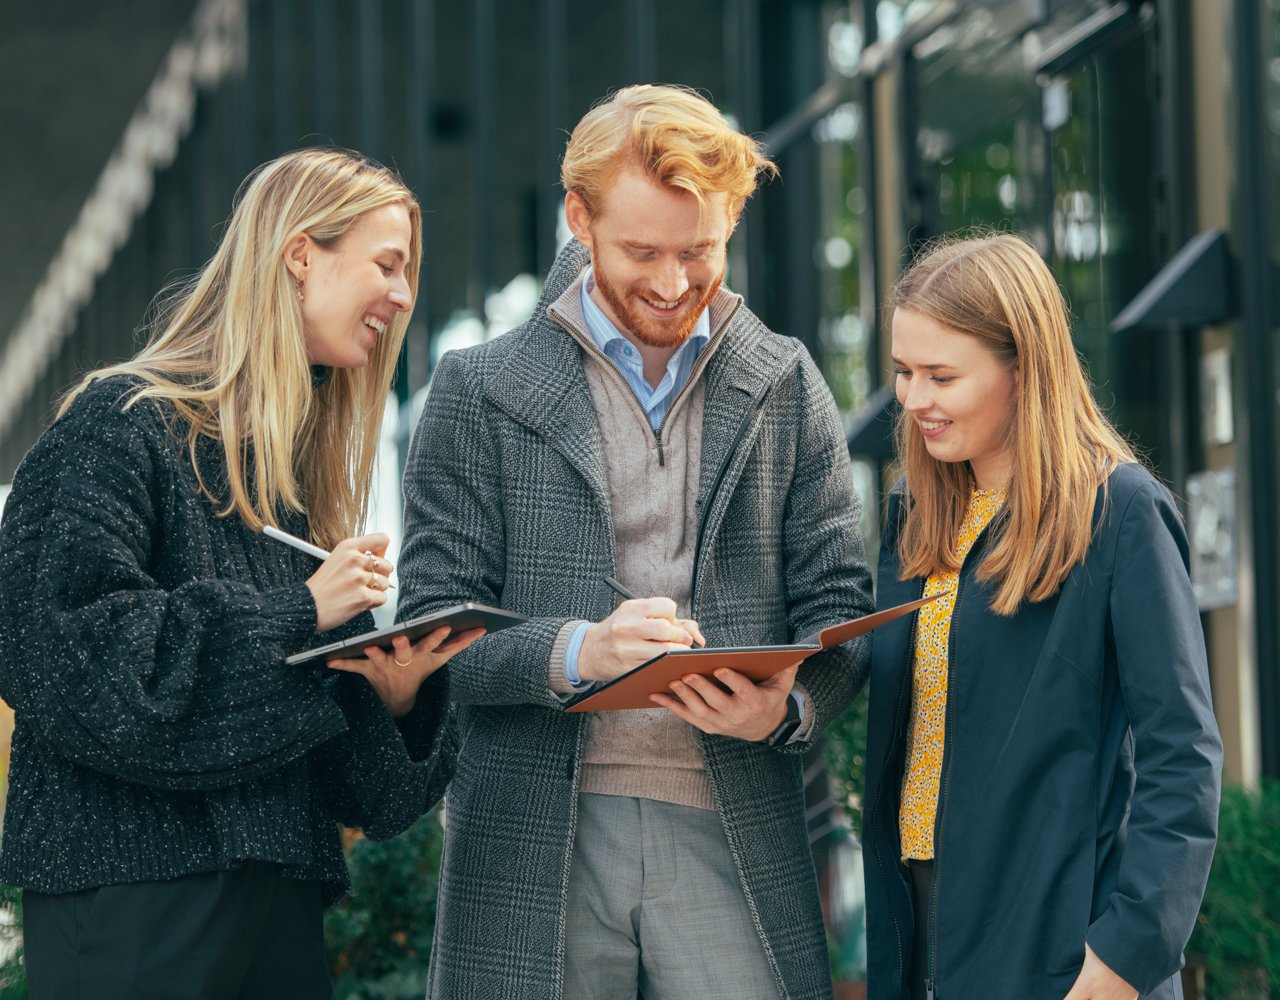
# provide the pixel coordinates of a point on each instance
(563, 677)
(571, 672)
(804, 700)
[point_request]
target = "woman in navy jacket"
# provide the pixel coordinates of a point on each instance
(1043, 762)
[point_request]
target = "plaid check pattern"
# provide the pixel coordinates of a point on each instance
(507, 503)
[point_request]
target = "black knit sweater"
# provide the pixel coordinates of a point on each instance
(158, 732)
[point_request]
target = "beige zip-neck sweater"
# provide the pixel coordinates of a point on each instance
(649, 754)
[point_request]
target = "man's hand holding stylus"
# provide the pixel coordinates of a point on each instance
(638, 630)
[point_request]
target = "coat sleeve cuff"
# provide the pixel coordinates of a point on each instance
(1140, 966)
(808, 714)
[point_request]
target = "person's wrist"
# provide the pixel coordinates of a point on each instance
(320, 622)
(787, 722)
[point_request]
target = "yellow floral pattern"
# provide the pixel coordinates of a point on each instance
(926, 726)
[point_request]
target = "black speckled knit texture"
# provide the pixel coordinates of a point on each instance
(158, 732)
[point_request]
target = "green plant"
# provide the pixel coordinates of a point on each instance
(1237, 935)
(379, 937)
(13, 971)
(845, 745)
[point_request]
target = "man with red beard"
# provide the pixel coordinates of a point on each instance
(643, 425)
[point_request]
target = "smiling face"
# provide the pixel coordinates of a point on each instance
(353, 289)
(959, 393)
(658, 255)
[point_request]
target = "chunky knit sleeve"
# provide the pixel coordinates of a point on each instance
(381, 775)
(179, 685)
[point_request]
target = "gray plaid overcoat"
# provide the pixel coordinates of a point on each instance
(506, 503)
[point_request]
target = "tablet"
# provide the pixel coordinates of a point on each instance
(459, 619)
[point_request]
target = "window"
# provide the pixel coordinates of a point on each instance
(1105, 240)
(979, 135)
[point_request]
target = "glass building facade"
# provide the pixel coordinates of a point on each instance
(1137, 144)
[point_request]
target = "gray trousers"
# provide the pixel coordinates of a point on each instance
(656, 909)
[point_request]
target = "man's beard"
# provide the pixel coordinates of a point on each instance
(656, 332)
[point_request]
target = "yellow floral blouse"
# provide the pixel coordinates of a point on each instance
(925, 728)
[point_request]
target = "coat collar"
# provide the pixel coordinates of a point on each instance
(540, 380)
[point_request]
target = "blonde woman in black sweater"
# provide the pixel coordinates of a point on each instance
(174, 786)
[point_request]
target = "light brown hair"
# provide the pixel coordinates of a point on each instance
(228, 353)
(674, 135)
(995, 288)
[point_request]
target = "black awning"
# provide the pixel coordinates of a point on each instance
(1196, 287)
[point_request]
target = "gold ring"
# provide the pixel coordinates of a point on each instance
(373, 561)
(373, 580)
(398, 663)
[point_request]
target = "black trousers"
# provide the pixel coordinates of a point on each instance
(245, 934)
(918, 971)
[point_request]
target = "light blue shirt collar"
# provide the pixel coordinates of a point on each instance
(619, 350)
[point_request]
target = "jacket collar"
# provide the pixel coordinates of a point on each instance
(541, 383)
(567, 310)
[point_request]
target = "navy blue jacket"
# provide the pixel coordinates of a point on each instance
(1080, 775)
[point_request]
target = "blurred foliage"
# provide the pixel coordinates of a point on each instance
(13, 971)
(1237, 936)
(845, 743)
(379, 937)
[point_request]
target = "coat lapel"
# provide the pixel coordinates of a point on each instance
(542, 385)
(746, 365)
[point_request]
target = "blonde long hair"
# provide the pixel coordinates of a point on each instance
(675, 135)
(995, 287)
(227, 350)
